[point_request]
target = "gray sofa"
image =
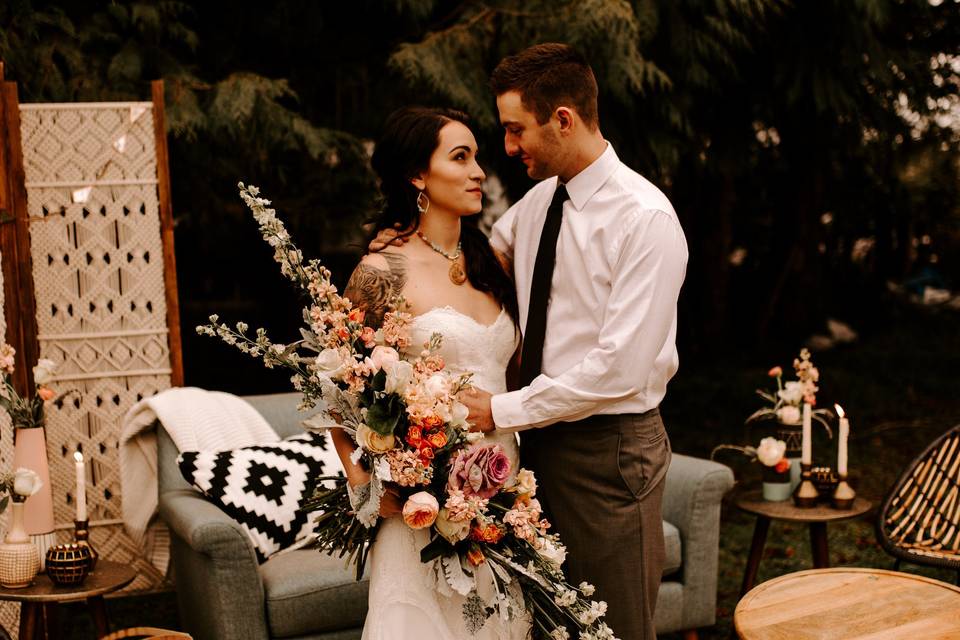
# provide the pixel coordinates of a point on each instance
(223, 593)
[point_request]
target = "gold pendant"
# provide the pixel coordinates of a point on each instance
(457, 276)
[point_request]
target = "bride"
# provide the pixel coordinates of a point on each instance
(454, 285)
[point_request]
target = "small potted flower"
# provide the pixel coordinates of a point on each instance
(19, 557)
(771, 453)
(786, 404)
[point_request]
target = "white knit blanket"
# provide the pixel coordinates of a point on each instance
(197, 420)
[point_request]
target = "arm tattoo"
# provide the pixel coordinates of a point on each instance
(373, 289)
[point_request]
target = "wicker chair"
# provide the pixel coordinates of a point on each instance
(920, 519)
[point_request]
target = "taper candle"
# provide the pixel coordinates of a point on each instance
(806, 451)
(81, 487)
(842, 441)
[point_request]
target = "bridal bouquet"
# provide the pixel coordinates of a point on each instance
(488, 539)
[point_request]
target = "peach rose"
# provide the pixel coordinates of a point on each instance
(420, 510)
(775, 372)
(46, 393)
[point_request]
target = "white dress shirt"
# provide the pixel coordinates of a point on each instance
(610, 343)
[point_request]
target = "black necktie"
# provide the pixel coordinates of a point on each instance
(531, 358)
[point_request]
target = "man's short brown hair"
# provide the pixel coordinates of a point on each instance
(547, 76)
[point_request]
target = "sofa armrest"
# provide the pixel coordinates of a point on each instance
(204, 527)
(691, 502)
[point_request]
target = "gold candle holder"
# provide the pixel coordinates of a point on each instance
(806, 494)
(81, 533)
(843, 495)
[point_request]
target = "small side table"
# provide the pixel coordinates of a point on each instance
(108, 576)
(817, 518)
(837, 604)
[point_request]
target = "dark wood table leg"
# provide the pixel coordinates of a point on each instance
(756, 553)
(819, 546)
(98, 611)
(28, 620)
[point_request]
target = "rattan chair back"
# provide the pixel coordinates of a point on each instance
(919, 521)
(147, 633)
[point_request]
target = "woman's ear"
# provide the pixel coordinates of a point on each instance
(418, 182)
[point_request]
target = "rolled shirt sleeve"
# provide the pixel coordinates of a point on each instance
(638, 323)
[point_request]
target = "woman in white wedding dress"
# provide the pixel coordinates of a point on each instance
(454, 285)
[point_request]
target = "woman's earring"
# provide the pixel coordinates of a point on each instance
(423, 202)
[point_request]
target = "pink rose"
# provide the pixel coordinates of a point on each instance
(479, 470)
(420, 510)
(369, 337)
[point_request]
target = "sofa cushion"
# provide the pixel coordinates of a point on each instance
(310, 592)
(261, 487)
(671, 539)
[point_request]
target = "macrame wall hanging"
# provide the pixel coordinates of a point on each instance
(88, 238)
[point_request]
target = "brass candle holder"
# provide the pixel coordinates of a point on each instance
(806, 494)
(843, 495)
(81, 533)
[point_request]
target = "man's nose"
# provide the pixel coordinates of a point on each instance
(511, 147)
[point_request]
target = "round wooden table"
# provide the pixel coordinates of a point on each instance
(850, 604)
(817, 517)
(108, 576)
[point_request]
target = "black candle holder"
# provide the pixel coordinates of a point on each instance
(806, 494)
(81, 534)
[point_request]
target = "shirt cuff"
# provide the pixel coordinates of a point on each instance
(508, 413)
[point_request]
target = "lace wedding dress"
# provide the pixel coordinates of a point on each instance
(404, 602)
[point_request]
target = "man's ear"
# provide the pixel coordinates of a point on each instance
(565, 119)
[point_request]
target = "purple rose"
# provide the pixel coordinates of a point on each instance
(479, 470)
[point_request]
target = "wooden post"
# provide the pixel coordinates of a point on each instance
(166, 233)
(19, 303)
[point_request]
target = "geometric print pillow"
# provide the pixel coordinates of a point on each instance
(261, 487)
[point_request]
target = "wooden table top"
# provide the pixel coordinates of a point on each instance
(849, 604)
(753, 502)
(108, 576)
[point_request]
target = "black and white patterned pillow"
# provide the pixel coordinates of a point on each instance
(261, 486)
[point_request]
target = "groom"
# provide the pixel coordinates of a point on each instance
(599, 258)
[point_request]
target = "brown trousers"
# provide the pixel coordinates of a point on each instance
(601, 485)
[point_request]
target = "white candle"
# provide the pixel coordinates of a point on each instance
(81, 486)
(842, 442)
(806, 452)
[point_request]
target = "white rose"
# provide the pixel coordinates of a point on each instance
(437, 385)
(382, 356)
(399, 375)
(771, 451)
(789, 414)
(554, 553)
(458, 415)
(527, 482)
(373, 441)
(329, 363)
(453, 532)
(43, 372)
(792, 392)
(26, 482)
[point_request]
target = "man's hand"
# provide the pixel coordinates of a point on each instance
(481, 415)
(389, 237)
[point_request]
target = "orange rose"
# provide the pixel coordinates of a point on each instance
(776, 372)
(489, 533)
(344, 333)
(46, 394)
(437, 439)
(414, 436)
(475, 556)
(426, 455)
(431, 422)
(356, 315)
(782, 466)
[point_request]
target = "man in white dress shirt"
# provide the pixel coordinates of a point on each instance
(599, 258)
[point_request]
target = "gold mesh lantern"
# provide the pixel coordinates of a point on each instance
(68, 564)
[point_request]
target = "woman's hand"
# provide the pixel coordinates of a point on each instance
(390, 503)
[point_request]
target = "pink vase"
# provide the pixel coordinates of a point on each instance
(30, 452)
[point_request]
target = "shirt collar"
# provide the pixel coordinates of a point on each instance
(586, 183)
